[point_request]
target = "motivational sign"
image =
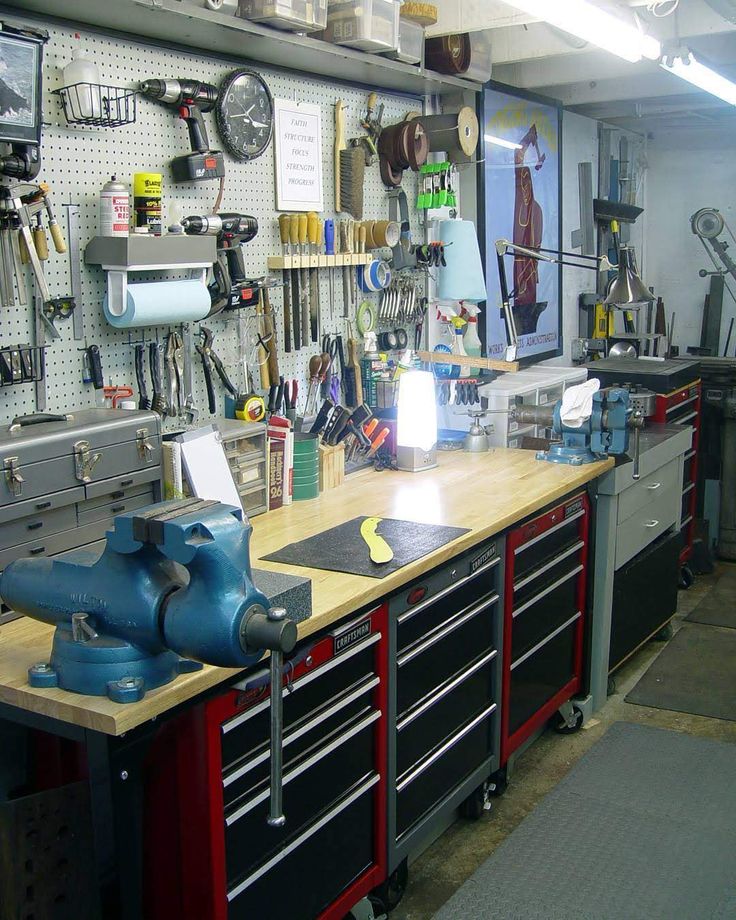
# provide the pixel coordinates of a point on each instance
(298, 136)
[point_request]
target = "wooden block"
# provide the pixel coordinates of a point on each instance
(331, 466)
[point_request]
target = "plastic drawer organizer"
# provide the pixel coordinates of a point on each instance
(369, 25)
(292, 15)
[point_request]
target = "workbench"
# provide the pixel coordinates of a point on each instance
(485, 493)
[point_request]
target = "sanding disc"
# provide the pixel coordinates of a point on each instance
(423, 13)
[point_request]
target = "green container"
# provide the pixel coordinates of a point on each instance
(305, 492)
(305, 444)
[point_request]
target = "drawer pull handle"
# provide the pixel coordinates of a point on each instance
(548, 590)
(548, 533)
(126, 482)
(654, 486)
(35, 525)
(116, 495)
(651, 524)
(451, 588)
(37, 551)
(116, 509)
(450, 627)
(41, 506)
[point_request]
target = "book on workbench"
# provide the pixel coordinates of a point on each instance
(276, 453)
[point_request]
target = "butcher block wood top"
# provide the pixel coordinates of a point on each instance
(486, 493)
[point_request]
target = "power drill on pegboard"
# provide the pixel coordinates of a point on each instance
(231, 289)
(191, 98)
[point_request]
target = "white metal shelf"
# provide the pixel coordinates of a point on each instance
(182, 22)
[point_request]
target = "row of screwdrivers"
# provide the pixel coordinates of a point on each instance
(306, 233)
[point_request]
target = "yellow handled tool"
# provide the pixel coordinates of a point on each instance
(380, 551)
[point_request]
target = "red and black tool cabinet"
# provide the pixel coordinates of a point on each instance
(683, 407)
(544, 613)
(210, 853)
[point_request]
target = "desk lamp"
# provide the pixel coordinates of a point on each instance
(416, 426)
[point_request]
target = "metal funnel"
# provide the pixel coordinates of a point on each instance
(627, 287)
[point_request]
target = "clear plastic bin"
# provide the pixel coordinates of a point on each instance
(368, 25)
(480, 57)
(411, 43)
(292, 15)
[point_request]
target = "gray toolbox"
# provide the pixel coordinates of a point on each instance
(65, 477)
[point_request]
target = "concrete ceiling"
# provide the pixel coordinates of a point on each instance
(641, 97)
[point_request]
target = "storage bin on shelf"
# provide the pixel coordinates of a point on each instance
(292, 15)
(411, 43)
(368, 25)
(480, 57)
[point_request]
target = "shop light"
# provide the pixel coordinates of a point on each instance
(594, 25)
(689, 68)
(501, 142)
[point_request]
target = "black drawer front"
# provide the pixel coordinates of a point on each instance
(538, 678)
(644, 596)
(306, 881)
(412, 627)
(544, 615)
(421, 674)
(455, 704)
(533, 555)
(238, 781)
(303, 701)
(427, 789)
(249, 841)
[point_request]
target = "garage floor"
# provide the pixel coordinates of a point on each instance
(449, 862)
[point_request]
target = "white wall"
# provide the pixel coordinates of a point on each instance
(683, 177)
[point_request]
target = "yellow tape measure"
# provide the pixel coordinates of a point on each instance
(380, 551)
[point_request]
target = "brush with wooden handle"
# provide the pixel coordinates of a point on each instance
(349, 169)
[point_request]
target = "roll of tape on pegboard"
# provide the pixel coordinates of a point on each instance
(374, 277)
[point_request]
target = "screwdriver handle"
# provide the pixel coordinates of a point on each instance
(41, 243)
(284, 224)
(302, 224)
(313, 228)
(330, 237)
(294, 231)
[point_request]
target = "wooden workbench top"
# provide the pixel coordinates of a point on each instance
(486, 493)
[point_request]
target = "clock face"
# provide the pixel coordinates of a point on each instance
(244, 114)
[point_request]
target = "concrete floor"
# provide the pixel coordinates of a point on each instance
(454, 857)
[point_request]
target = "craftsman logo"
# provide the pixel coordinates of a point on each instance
(484, 557)
(574, 508)
(351, 636)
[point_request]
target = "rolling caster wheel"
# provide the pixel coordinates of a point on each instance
(475, 804)
(498, 783)
(665, 633)
(564, 727)
(388, 895)
(686, 577)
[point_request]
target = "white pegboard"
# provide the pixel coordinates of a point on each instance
(77, 161)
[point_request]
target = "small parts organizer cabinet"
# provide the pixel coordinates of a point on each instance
(544, 604)
(445, 635)
(210, 789)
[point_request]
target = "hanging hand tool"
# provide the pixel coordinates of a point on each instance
(304, 276)
(284, 224)
(140, 377)
(261, 350)
(330, 251)
(315, 366)
(322, 416)
(175, 370)
(75, 267)
(230, 289)
(354, 364)
(313, 230)
(270, 331)
(158, 400)
(295, 294)
(344, 250)
(380, 551)
(191, 410)
(93, 367)
(291, 394)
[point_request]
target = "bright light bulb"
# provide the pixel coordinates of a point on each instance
(701, 76)
(416, 424)
(586, 21)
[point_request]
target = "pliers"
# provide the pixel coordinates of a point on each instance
(210, 358)
(175, 369)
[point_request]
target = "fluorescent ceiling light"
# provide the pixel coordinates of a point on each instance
(589, 22)
(501, 142)
(687, 67)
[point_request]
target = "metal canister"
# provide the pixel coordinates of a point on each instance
(114, 208)
(147, 201)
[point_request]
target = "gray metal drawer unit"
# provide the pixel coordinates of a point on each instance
(64, 479)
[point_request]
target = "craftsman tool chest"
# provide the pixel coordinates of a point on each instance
(208, 781)
(543, 618)
(445, 632)
(65, 478)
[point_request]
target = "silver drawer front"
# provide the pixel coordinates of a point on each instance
(648, 523)
(647, 491)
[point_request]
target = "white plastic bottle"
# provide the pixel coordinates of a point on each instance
(85, 99)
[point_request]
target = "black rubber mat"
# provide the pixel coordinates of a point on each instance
(718, 607)
(695, 673)
(642, 828)
(342, 549)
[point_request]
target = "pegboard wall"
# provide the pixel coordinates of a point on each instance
(77, 161)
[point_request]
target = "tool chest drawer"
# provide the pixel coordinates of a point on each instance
(544, 602)
(438, 774)
(36, 506)
(426, 726)
(647, 490)
(107, 511)
(647, 524)
(53, 544)
(37, 526)
(330, 856)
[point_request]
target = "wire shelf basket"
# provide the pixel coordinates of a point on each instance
(22, 364)
(95, 104)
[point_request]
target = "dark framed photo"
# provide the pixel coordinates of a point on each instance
(521, 188)
(20, 89)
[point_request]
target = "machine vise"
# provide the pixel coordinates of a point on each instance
(605, 433)
(172, 588)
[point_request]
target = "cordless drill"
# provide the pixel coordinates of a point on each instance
(191, 98)
(231, 288)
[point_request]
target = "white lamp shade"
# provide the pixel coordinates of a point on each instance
(416, 425)
(462, 278)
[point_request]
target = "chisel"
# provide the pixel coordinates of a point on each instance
(286, 274)
(303, 250)
(344, 249)
(296, 324)
(330, 251)
(313, 224)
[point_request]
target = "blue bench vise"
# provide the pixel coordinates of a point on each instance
(605, 433)
(172, 589)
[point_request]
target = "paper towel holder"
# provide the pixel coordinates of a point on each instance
(118, 256)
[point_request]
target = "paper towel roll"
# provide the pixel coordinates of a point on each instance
(462, 279)
(160, 303)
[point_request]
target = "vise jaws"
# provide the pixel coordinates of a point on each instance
(605, 433)
(172, 588)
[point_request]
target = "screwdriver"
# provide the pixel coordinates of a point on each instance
(330, 251)
(303, 249)
(313, 223)
(294, 240)
(284, 222)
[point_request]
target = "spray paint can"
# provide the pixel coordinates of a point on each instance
(147, 201)
(114, 208)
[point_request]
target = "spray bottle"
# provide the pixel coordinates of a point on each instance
(471, 339)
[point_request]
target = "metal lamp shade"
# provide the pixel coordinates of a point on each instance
(627, 287)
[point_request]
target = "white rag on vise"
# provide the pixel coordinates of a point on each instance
(577, 403)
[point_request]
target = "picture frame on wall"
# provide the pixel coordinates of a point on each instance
(20, 88)
(521, 192)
